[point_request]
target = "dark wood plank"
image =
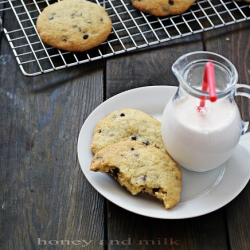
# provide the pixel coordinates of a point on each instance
(45, 199)
(131, 231)
(233, 42)
(148, 68)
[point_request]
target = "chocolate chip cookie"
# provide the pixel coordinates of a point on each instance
(141, 169)
(162, 7)
(75, 25)
(127, 125)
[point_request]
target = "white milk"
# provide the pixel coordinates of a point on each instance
(203, 140)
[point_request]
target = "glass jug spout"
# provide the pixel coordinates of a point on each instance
(189, 70)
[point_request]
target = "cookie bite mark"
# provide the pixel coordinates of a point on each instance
(114, 172)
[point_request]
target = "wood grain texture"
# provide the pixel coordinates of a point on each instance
(137, 232)
(149, 67)
(45, 200)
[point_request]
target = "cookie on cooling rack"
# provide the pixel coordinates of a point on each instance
(141, 169)
(162, 7)
(75, 25)
(127, 125)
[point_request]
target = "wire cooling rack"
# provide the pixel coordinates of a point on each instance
(132, 30)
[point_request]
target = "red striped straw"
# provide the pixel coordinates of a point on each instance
(208, 84)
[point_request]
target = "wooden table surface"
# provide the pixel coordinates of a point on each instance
(45, 200)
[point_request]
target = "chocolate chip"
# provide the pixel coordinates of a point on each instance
(99, 131)
(114, 172)
(146, 143)
(144, 177)
(52, 16)
(155, 190)
(122, 114)
(133, 138)
(132, 149)
(171, 2)
(85, 37)
(64, 39)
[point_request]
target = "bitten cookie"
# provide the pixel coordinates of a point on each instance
(75, 25)
(127, 125)
(141, 169)
(162, 7)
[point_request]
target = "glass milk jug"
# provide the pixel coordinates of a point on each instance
(201, 139)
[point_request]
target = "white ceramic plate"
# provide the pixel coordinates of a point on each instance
(202, 193)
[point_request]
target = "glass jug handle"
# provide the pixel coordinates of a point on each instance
(242, 93)
(244, 125)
